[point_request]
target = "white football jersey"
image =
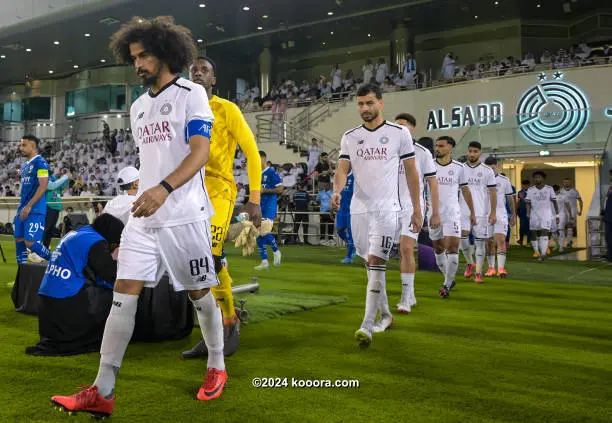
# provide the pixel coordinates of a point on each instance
(375, 156)
(571, 196)
(120, 207)
(504, 188)
(479, 178)
(425, 167)
(451, 177)
(159, 125)
(541, 200)
(562, 202)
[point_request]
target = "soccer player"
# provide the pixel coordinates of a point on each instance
(522, 211)
(500, 228)
(426, 170)
(451, 179)
(574, 199)
(343, 219)
(230, 130)
(272, 187)
(565, 215)
(374, 151)
(481, 181)
(539, 198)
(29, 223)
(169, 229)
(121, 205)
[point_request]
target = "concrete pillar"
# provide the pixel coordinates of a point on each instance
(401, 44)
(265, 71)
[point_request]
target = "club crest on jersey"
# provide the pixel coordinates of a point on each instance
(166, 109)
(383, 140)
(451, 172)
(479, 174)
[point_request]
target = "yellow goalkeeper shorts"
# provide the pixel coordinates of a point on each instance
(222, 195)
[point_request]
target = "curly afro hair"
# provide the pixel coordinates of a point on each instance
(170, 43)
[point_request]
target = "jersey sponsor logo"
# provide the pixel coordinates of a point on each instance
(154, 132)
(445, 180)
(117, 304)
(166, 109)
(372, 153)
(474, 181)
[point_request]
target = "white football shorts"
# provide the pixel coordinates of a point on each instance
(374, 233)
(405, 224)
(501, 225)
(184, 251)
(482, 229)
(541, 221)
(450, 226)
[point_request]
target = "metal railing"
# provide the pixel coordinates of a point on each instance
(596, 242)
(272, 128)
(288, 228)
(321, 109)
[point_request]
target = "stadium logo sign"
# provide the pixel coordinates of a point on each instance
(460, 116)
(552, 112)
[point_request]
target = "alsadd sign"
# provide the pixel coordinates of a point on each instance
(551, 112)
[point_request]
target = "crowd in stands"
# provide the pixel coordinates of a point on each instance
(579, 55)
(338, 84)
(93, 164)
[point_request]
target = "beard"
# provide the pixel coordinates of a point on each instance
(473, 159)
(148, 78)
(439, 154)
(369, 116)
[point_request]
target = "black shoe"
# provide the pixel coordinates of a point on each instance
(231, 341)
(452, 285)
(199, 350)
(231, 338)
(444, 292)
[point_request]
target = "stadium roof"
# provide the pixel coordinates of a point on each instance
(57, 40)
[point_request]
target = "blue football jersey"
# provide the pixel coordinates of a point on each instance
(347, 195)
(270, 179)
(30, 172)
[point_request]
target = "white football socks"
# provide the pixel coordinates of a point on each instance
(562, 238)
(452, 263)
(466, 249)
(211, 324)
(407, 284)
(480, 254)
(117, 334)
(491, 260)
(501, 260)
(441, 261)
(543, 245)
(376, 281)
(534, 245)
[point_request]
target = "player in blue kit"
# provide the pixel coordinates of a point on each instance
(30, 220)
(343, 220)
(271, 187)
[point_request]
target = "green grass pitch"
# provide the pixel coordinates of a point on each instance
(536, 347)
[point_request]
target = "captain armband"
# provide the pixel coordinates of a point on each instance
(198, 127)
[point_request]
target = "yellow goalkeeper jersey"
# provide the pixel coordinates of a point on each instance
(231, 129)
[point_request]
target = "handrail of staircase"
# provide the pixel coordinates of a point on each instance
(319, 108)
